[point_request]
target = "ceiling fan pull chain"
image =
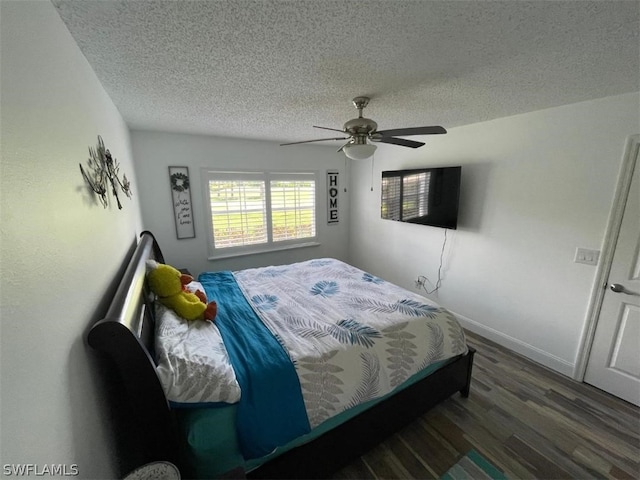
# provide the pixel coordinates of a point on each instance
(373, 158)
(345, 174)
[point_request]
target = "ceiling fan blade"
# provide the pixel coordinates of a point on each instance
(327, 128)
(400, 141)
(317, 140)
(403, 132)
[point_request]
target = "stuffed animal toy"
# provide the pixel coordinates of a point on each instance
(169, 285)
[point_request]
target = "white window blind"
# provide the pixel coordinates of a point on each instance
(293, 209)
(405, 197)
(391, 198)
(415, 195)
(238, 212)
(260, 211)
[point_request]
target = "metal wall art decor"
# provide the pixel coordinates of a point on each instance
(181, 196)
(102, 172)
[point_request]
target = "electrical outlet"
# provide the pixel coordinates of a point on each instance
(586, 256)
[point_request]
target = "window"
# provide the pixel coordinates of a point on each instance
(405, 197)
(259, 211)
(391, 198)
(415, 195)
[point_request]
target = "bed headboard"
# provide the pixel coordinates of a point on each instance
(125, 336)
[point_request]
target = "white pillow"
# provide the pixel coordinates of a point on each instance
(194, 286)
(193, 363)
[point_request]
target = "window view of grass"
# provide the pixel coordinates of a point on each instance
(239, 212)
(293, 209)
(390, 203)
(415, 194)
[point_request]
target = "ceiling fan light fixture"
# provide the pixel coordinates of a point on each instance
(359, 151)
(360, 131)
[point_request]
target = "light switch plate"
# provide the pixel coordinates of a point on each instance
(587, 256)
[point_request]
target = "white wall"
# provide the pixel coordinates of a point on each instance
(534, 187)
(60, 250)
(154, 152)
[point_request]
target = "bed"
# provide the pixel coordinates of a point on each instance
(329, 399)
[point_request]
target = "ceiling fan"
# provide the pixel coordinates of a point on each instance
(362, 130)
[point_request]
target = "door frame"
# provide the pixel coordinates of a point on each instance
(631, 152)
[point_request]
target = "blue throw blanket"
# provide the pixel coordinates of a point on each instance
(271, 411)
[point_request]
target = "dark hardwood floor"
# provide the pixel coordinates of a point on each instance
(528, 420)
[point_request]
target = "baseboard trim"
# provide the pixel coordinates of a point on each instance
(533, 353)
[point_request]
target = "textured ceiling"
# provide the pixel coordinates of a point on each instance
(272, 69)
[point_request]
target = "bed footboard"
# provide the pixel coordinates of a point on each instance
(336, 448)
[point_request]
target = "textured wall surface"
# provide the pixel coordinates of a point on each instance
(534, 188)
(154, 152)
(61, 251)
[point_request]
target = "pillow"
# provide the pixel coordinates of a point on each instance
(194, 286)
(192, 362)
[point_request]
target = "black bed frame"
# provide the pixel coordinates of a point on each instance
(125, 339)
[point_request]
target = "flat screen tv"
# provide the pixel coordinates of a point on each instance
(427, 196)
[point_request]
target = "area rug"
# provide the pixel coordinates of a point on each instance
(473, 466)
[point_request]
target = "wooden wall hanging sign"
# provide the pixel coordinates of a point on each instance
(181, 198)
(332, 197)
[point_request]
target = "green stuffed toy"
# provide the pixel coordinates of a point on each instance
(169, 285)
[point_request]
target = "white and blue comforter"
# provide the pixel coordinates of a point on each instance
(312, 339)
(351, 336)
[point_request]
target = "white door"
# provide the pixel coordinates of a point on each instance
(614, 360)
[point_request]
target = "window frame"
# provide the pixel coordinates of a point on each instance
(407, 198)
(267, 176)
